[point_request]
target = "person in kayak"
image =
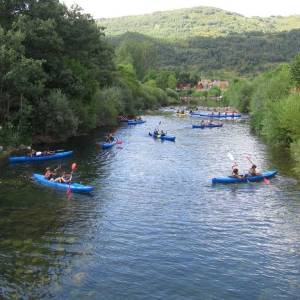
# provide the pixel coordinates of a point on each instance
(32, 153)
(65, 178)
(253, 171)
(49, 174)
(235, 172)
(155, 132)
(109, 138)
(162, 133)
(48, 152)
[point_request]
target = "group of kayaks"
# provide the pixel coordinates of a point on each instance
(225, 115)
(202, 125)
(209, 114)
(80, 188)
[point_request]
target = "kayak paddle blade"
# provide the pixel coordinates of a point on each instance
(229, 155)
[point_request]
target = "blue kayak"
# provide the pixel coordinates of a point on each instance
(135, 122)
(170, 138)
(215, 115)
(248, 178)
(107, 145)
(74, 187)
(58, 155)
(207, 126)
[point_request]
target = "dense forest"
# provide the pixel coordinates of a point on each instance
(60, 77)
(210, 41)
(273, 101)
(215, 57)
(188, 23)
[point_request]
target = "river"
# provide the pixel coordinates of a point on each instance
(154, 227)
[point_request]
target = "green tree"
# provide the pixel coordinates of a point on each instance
(295, 70)
(62, 122)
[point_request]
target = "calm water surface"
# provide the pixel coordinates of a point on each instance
(154, 228)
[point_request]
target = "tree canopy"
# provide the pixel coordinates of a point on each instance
(59, 75)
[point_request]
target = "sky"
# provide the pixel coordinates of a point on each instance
(117, 8)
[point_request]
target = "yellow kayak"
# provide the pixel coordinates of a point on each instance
(181, 114)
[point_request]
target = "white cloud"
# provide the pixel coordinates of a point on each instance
(113, 8)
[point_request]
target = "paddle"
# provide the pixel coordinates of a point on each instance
(73, 169)
(230, 156)
(266, 180)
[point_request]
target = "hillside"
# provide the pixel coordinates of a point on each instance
(242, 54)
(197, 22)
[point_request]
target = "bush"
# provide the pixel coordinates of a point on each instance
(239, 95)
(57, 117)
(295, 151)
(172, 94)
(107, 104)
(268, 88)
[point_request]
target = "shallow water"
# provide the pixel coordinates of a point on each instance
(154, 228)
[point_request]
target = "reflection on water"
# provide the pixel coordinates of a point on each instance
(154, 227)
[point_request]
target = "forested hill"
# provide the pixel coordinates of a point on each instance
(197, 22)
(238, 54)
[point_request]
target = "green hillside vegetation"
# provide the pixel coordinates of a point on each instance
(244, 54)
(188, 23)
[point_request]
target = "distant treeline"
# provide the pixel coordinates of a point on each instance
(211, 41)
(240, 54)
(60, 77)
(184, 24)
(273, 101)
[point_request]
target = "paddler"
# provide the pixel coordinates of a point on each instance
(48, 174)
(253, 171)
(235, 172)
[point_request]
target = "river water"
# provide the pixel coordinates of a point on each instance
(154, 227)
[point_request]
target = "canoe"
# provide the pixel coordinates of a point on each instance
(231, 179)
(207, 126)
(170, 138)
(74, 187)
(215, 115)
(107, 145)
(135, 122)
(57, 155)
